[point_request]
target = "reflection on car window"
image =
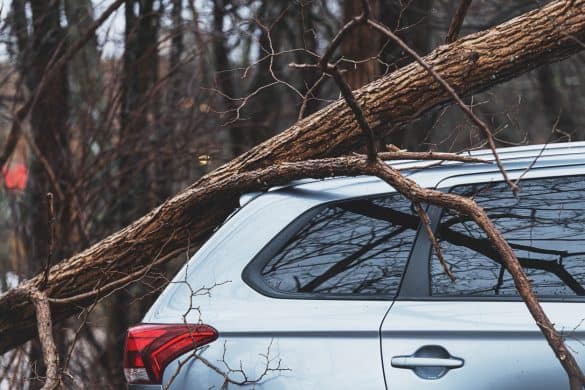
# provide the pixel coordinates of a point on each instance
(545, 225)
(358, 247)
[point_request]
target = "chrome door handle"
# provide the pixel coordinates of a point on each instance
(428, 362)
(414, 362)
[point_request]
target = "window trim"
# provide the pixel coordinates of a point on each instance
(251, 274)
(424, 293)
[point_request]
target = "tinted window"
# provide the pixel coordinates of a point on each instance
(545, 226)
(358, 247)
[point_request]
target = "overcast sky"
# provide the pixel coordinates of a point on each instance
(110, 34)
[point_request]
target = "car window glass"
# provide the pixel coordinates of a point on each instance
(357, 247)
(544, 224)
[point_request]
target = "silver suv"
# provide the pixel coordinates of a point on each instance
(332, 284)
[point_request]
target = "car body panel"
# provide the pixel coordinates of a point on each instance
(496, 337)
(500, 344)
(250, 323)
(336, 343)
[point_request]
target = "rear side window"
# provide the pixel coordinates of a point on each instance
(355, 248)
(545, 225)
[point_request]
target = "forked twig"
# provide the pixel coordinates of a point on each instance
(424, 217)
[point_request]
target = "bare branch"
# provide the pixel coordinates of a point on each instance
(424, 218)
(51, 244)
(228, 372)
(404, 155)
(457, 21)
(481, 124)
(45, 332)
(331, 69)
(355, 108)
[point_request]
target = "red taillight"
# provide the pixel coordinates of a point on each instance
(150, 347)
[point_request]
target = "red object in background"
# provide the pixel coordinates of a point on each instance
(15, 176)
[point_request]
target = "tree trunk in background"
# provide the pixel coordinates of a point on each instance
(259, 120)
(173, 112)
(471, 64)
(85, 72)
(137, 111)
(415, 19)
(50, 135)
(552, 101)
(140, 71)
(363, 46)
(306, 27)
(223, 76)
(19, 27)
(263, 118)
(85, 79)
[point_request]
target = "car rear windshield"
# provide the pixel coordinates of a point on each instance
(544, 224)
(355, 248)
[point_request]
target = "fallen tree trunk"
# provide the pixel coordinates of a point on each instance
(469, 65)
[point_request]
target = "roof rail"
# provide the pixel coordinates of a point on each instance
(505, 154)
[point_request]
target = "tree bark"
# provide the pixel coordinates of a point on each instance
(362, 46)
(470, 64)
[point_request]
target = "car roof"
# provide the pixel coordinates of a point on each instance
(512, 158)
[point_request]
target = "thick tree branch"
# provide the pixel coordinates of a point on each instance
(44, 327)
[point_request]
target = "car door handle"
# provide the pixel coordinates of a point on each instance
(428, 362)
(414, 362)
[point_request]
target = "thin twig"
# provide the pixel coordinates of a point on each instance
(457, 21)
(404, 155)
(426, 222)
(356, 109)
(481, 124)
(342, 33)
(51, 238)
(331, 69)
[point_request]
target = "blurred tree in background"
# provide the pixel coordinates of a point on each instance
(166, 90)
